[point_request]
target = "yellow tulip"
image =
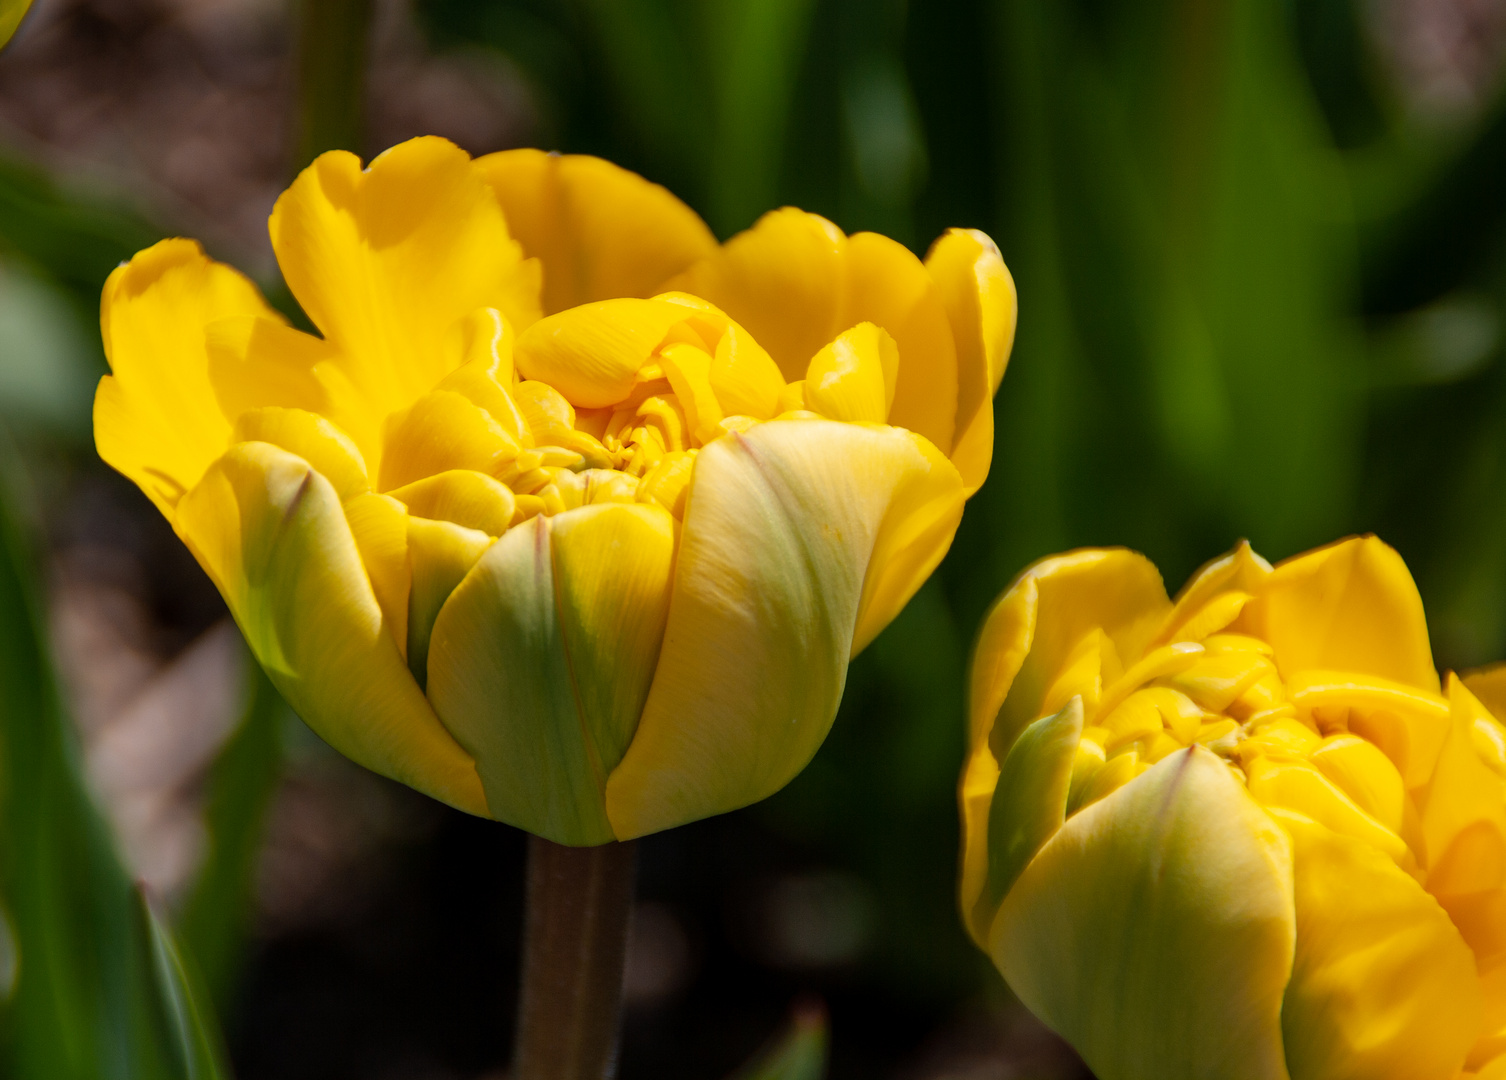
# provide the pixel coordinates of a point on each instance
(569, 517)
(1245, 834)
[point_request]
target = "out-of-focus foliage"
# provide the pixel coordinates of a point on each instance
(94, 986)
(798, 1054)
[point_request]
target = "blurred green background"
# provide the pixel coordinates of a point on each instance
(1262, 270)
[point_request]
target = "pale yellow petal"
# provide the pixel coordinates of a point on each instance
(1154, 931)
(540, 661)
(781, 524)
(270, 531)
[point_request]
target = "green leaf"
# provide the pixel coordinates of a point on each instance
(192, 1033)
(799, 1053)
(215, 921)
(85, 1003)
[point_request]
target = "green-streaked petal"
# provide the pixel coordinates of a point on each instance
(271, 533)
(540, 660)
(440, 554)
(1155, 930)
(1350, 606)
(1383, 987)
(1029, 805)
(781, 525)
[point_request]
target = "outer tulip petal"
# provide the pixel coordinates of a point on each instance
(387, 259)
(795, 282)
(599, 230)
(270, 532)
(1350, 606)
(916, 532)
(543, 687)
(1148, 981)
(311, 437)
(1029, 805)
(781, 523)
(156, 418)
(979, 295)
(1383, 987)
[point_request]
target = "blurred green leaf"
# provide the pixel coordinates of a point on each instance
(217, 917)
(191, 1030)
(797, 1054)
(84, 1004)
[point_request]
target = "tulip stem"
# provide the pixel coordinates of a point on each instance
(574, 948)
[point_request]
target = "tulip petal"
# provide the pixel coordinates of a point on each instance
(1350, 606)
(465, 497)
(311, 437)
(271, 533)
(1240, 571)
(852, 378)
(1029, 805)
(781, 523)
(1145, 978)
(443, 430)
(379, 524)
(981, 304)
(541, 659)
(600, 231)
(156, 416)
(796, 282)
(387, 259)
(1383, 987)
(440, 554)
(591, 354)
(1034, 628)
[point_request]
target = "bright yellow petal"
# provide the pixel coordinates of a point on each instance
(852, 378)
(470, 499)
(540, 661)
(1111, 590)
(387, 259)
(781, 523)
(1240, 571)
(979, 295)
(379, 524)
(592, 354)
(1154, 931)
(924, 512)
(1383, 987)
(311, 437)
(270, 531)
(784, 280)
(1350, 606)
(156, 417)
(600, 231)
(443, 430)
(256, 361)
(1488, 684)
(795, 282)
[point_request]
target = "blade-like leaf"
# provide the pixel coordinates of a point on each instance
(192, 1033)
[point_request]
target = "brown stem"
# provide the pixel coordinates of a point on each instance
(574, 946)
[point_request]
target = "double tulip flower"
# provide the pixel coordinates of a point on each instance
(567, 515)
(1246, 834)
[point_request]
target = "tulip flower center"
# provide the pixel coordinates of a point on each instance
(1339, 748)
